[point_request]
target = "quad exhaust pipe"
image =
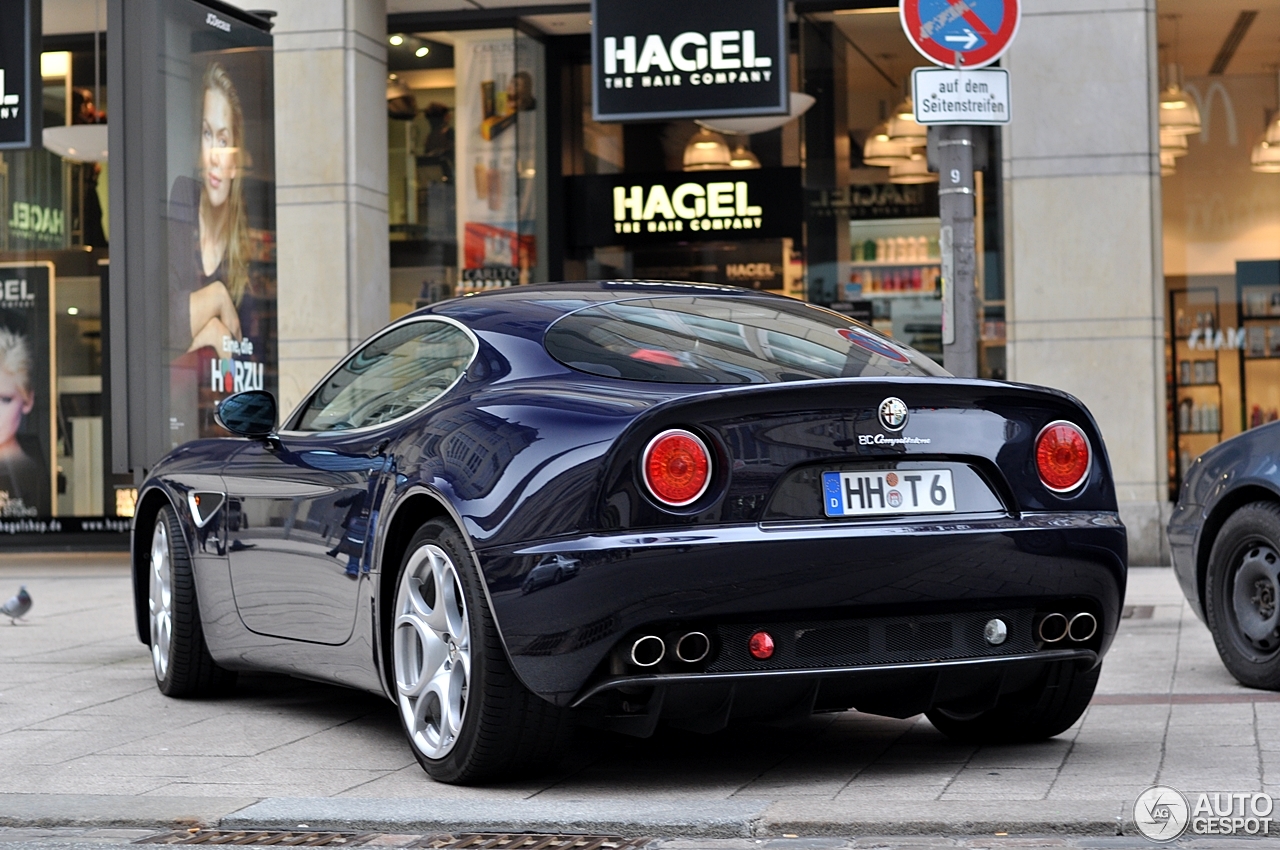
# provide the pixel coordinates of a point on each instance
(690, 648)
(1082, 627)
(693, 647)
(648, 650)
(1055, 627)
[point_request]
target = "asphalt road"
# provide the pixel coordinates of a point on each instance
(87, 743)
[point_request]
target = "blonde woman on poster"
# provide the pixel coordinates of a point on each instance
(208, 228)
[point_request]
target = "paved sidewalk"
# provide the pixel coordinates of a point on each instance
(86, 739)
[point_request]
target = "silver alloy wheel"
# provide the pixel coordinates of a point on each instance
(431, 651)
(161, 599)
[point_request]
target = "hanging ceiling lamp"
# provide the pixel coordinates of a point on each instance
(741, 155)
(1167, 164)
(913, 170)
(799, 104)
(1173, 144)
(706, 151)
(904, 129)
(881, 151)
(1178, 110)
(1265, 156)
(85, 142)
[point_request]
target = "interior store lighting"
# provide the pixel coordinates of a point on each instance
(741, 155)
(913, 170)
(78, 142)
(798, 104)
(1174, 144)
(904, 129)
(1265, 156)
(1178, 110)
(396, 40)
(422, 51)
(706, 151)
(881, 151)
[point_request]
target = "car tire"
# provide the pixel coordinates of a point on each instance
(1060, 695)
(179, 656)
(1242, 595)
(468, 718)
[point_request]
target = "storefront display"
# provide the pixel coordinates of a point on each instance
(495, 220)
(28, 476)
(1221, 252)
(220, 218)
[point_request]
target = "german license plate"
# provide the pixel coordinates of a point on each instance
(878, 492)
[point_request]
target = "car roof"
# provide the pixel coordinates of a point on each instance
(538, 305)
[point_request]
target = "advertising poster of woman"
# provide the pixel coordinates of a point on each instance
(26, 382)
(495, 217)
(221, 219)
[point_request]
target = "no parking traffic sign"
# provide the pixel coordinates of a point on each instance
(978, 31)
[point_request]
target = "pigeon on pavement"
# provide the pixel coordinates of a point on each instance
(17, 606)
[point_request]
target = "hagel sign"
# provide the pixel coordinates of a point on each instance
(19, 73)
(620, 209)
(674, 58)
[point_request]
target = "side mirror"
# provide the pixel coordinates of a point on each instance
(248, 414)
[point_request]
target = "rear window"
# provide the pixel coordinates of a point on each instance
(726, 340)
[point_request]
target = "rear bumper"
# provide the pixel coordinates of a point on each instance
(708, 702)
(561, 636)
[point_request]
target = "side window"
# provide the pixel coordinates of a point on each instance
(393, 375)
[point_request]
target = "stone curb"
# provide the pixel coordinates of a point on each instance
(675, 818)
(678, 817)
(109, 810)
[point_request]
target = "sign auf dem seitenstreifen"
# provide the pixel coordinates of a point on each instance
(949, 96)
(681, 59)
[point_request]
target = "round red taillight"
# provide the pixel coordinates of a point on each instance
(677, 467)
(1062, 456)
(761, 646)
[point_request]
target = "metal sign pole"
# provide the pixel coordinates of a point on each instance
(962, 38)
(959, 261)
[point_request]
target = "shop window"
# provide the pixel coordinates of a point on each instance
(871, 204)
(868, 246)
(1221, 211)
(466, 146)
(54, 232)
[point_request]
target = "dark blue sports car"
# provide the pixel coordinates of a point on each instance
(1225, 538)
(628, 503)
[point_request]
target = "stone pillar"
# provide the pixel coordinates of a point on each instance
(1085, 288)
(331, 183)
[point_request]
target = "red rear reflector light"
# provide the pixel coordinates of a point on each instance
(677, 467)
(761, 646)
(1062, 456)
